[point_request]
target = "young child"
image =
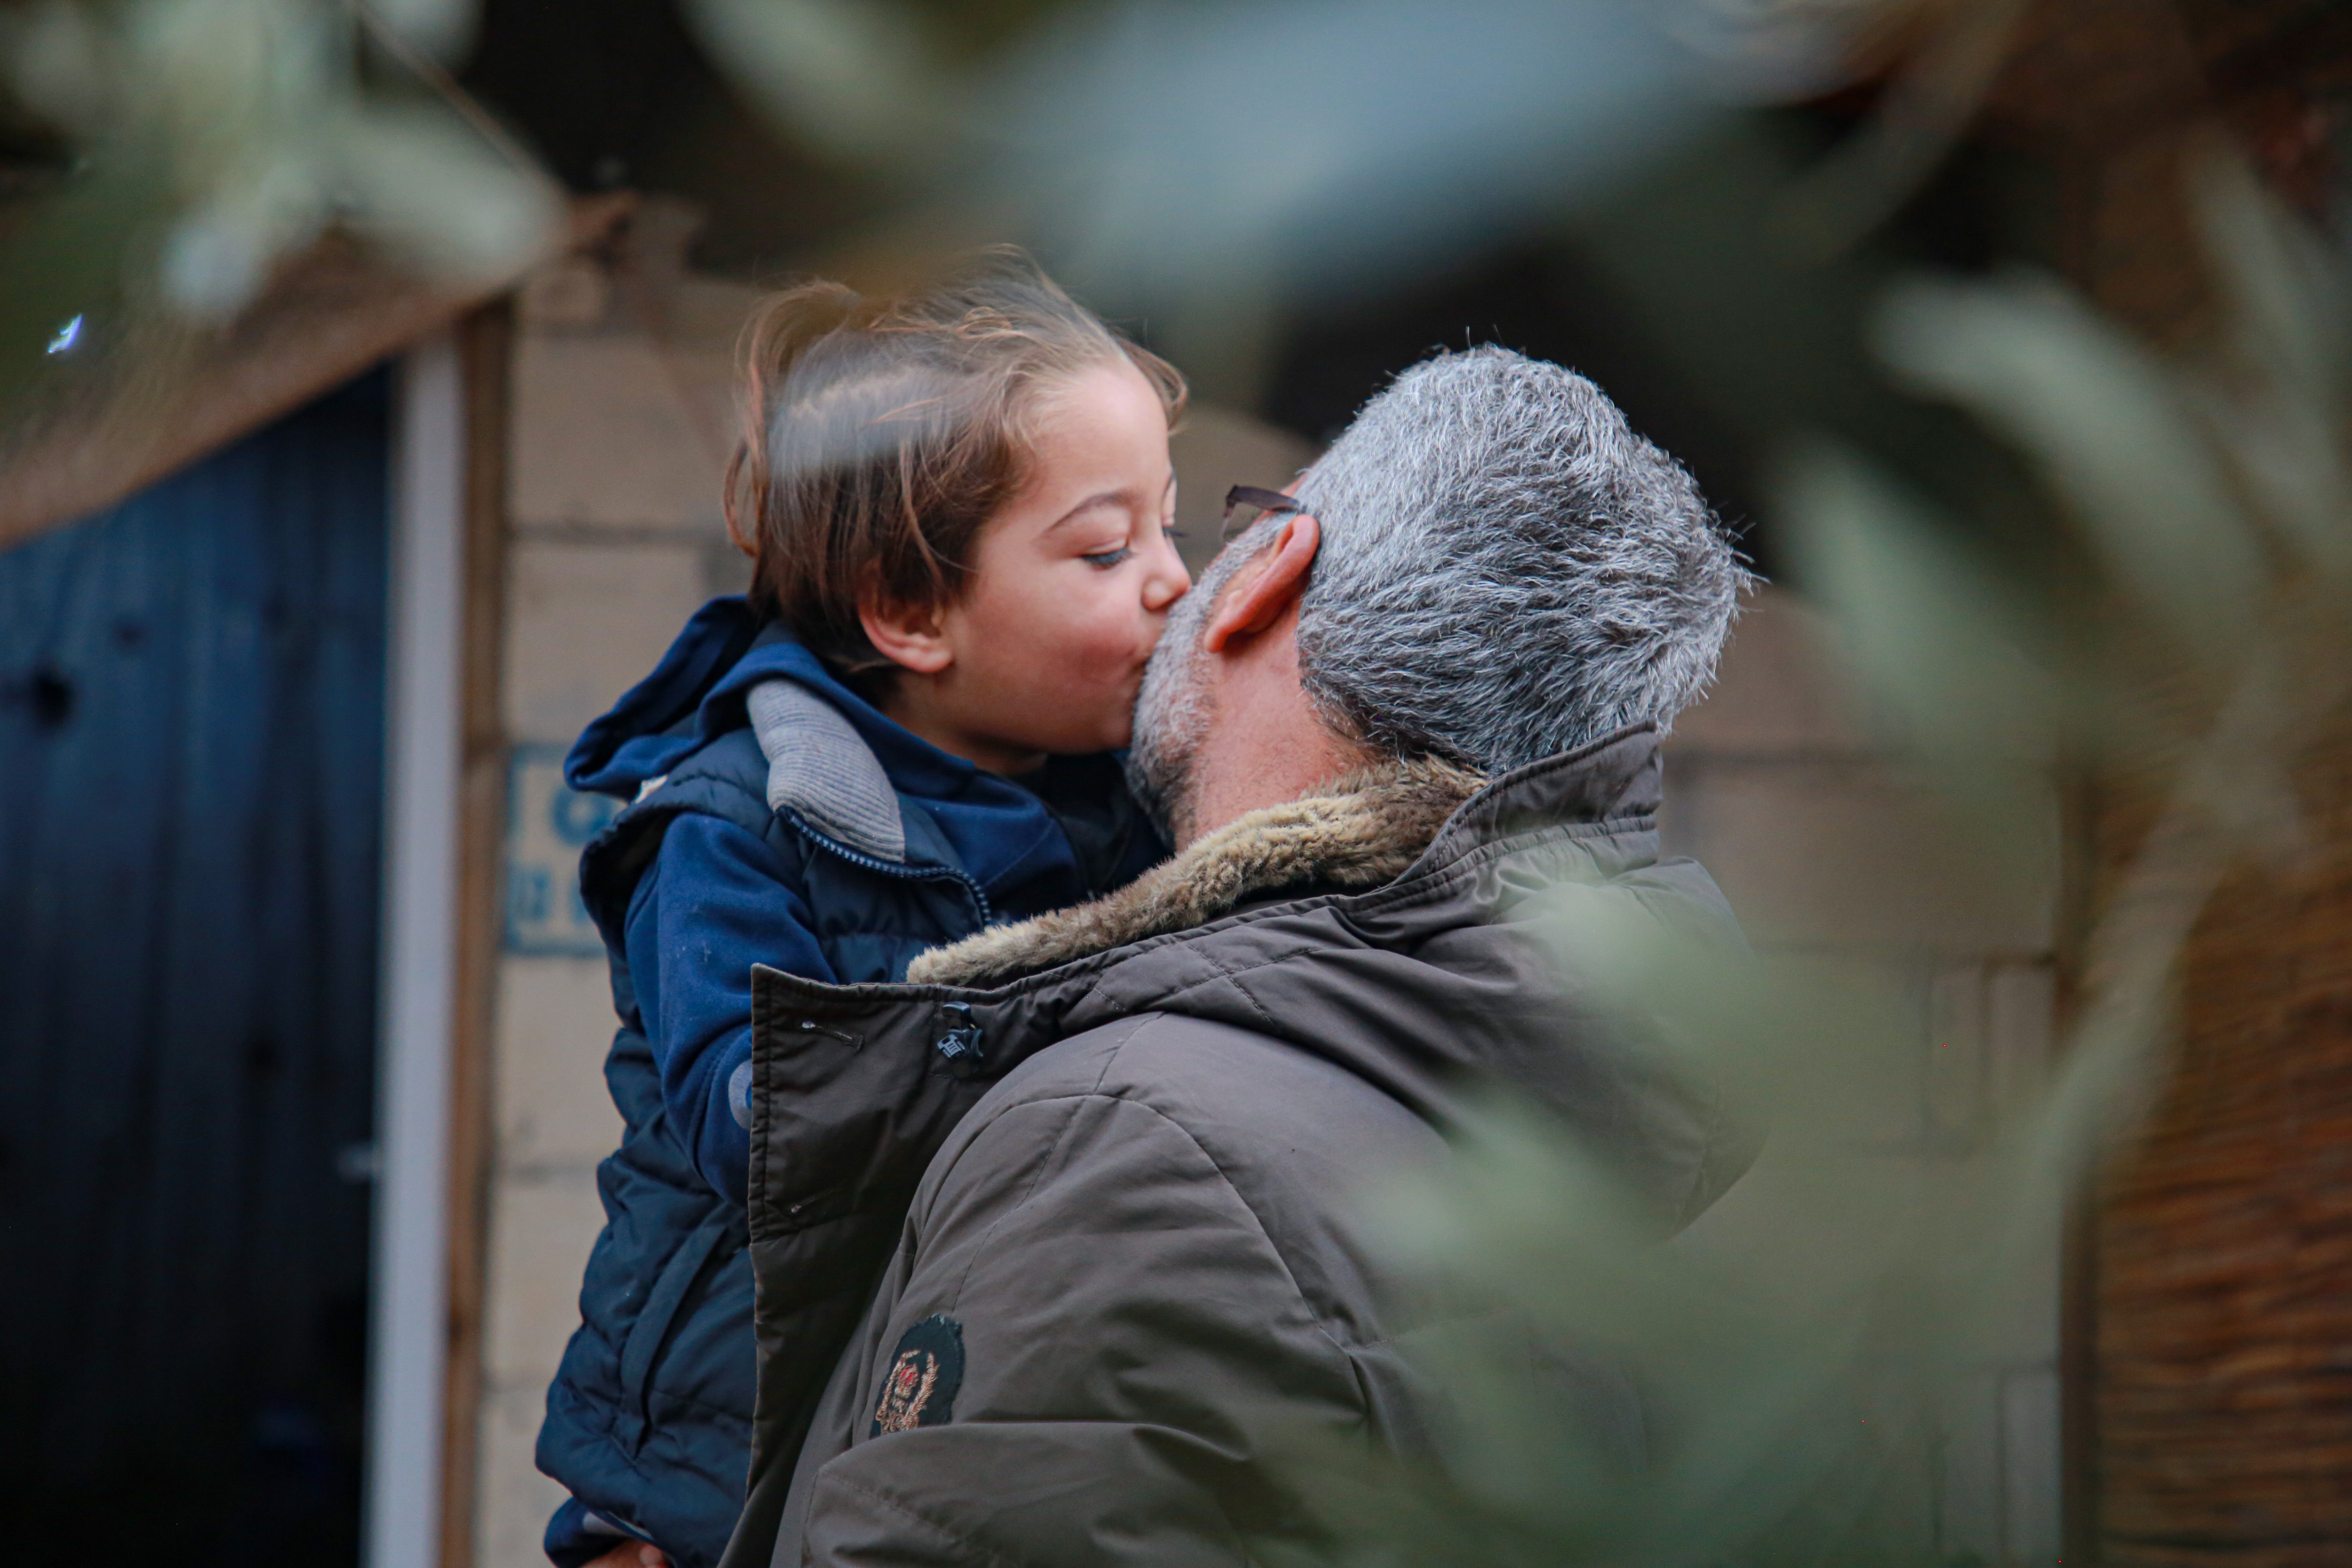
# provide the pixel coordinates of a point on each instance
(957, 503)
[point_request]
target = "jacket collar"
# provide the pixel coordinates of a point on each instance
(1379, 832)
(699, 689)
(1357, 831)
(819, 768)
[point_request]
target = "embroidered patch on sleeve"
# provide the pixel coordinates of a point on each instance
(920, 1389)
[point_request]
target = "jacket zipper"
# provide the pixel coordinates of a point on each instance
(889, 869)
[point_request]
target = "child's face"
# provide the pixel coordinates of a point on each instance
(1072, 585)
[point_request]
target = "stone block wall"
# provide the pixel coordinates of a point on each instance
(621, 426)
(1834, 855)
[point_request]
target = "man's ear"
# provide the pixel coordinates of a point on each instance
(1263, 592)
(910, 636)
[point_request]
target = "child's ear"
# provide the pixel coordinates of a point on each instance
(910, 636)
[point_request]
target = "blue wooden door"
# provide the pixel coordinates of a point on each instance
(190, 752)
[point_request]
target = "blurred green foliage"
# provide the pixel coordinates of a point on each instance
(205, 142)
(1797, 1365)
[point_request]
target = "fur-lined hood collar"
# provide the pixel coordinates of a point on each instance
(1357, 831)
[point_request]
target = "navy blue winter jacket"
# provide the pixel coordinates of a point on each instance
(775, 817)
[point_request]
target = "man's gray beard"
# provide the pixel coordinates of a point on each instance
(1171, 718)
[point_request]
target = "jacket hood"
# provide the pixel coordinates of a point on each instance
(847, 770)
(1383, 922)
(697, 693)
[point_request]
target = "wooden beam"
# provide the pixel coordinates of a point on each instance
(331, 313)
(486, 354)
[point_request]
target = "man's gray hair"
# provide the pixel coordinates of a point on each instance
(1508, 570)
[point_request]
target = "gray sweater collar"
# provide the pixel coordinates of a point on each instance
(822, 771)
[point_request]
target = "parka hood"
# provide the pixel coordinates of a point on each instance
(697, 693)
(730, 666)
(1381, 923)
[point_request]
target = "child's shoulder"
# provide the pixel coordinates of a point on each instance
(788, 765)
(725, 776)
(722, 780)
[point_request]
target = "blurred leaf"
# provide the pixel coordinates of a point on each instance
(2092, 406)
(57, 61)
(1774, 1385)
(2287, 295)
(441, 29)
(2282, 417)
(243, 124)
(849, 76)
(1934, 94)
(434, 193)
(1764, 1387)
(1923, 622)
(1925, 632)
(217, 258)
(1163, 148)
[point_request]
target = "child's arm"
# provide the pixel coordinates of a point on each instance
(716, 902)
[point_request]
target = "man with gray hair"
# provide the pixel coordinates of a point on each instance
(1409, 699)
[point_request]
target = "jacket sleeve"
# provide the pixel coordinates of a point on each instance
(716, 901)
(1132, 1351)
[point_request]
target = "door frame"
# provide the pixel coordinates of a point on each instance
(408, 1277)
(445, 800)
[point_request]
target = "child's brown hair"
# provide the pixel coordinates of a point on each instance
(880, 434)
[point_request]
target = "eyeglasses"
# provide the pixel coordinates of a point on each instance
(1263, 503)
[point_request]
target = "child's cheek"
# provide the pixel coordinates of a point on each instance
(1096, 659)
(1103, 639)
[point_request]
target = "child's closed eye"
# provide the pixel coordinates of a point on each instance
(1106, 559)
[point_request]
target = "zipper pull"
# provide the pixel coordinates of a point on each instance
(811, 1027)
